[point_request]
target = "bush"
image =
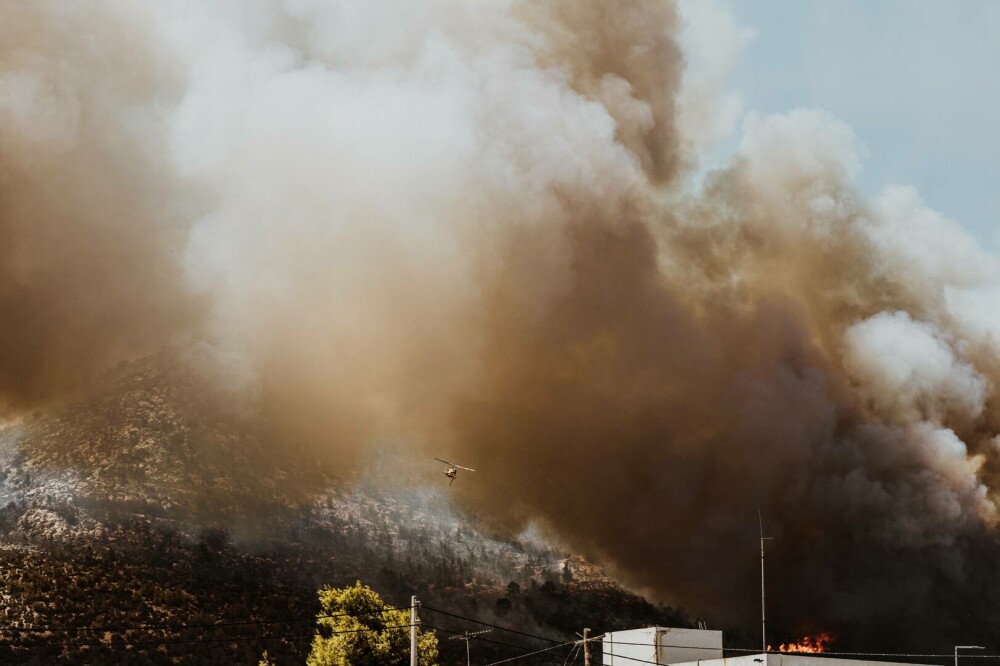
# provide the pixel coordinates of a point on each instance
(503, 606)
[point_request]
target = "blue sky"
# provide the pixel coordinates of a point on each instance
(917, 80)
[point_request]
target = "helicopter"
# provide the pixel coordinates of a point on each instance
(451, 471)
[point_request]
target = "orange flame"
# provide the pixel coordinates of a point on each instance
(818, 643)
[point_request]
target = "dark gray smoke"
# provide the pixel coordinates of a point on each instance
(479, 228)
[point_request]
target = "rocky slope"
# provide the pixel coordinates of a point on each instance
(147, 523)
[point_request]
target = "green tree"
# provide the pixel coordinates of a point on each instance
(365, 632)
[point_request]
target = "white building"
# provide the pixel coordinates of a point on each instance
(699, 647)
(789, 660)
(661, 645)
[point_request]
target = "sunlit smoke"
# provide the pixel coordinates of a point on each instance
(474, 227)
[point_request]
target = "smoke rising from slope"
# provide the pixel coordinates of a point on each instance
(475, 227)
(88, 214)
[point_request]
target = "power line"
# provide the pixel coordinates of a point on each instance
(887, 654)
(641, 661)
(531, 654)
(181, 627)
(207, 625)
(479, 638)
(488, 624)
(574, 651)
(228, 639)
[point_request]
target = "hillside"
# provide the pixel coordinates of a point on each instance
(147, 505)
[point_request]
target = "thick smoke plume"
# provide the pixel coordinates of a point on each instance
(479, 227)
(90, 214)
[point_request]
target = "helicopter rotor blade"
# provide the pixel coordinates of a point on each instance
(469, 469)
(444, 461)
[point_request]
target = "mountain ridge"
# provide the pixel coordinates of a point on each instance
(150, 502)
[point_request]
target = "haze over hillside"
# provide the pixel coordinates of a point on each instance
(144, 505)
(481, 232)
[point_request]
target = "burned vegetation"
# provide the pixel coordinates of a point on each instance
(137, 527)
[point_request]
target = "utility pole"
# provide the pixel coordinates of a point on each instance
(465, 637)
(414, 622)
(586, 646)
(763, 607)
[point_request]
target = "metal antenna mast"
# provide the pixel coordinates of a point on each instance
(763, 606)
(465, 637)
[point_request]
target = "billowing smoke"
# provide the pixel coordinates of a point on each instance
(91, 222)
(480, 227)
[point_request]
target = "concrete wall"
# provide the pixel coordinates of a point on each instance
(660, 645)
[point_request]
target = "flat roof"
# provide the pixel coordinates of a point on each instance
(762, 659)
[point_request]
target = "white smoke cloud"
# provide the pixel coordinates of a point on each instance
(461, 223)
(908, 371)
(356, 168)
(923, 248)
(976, 314)
(803, 157)
(712, 42)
